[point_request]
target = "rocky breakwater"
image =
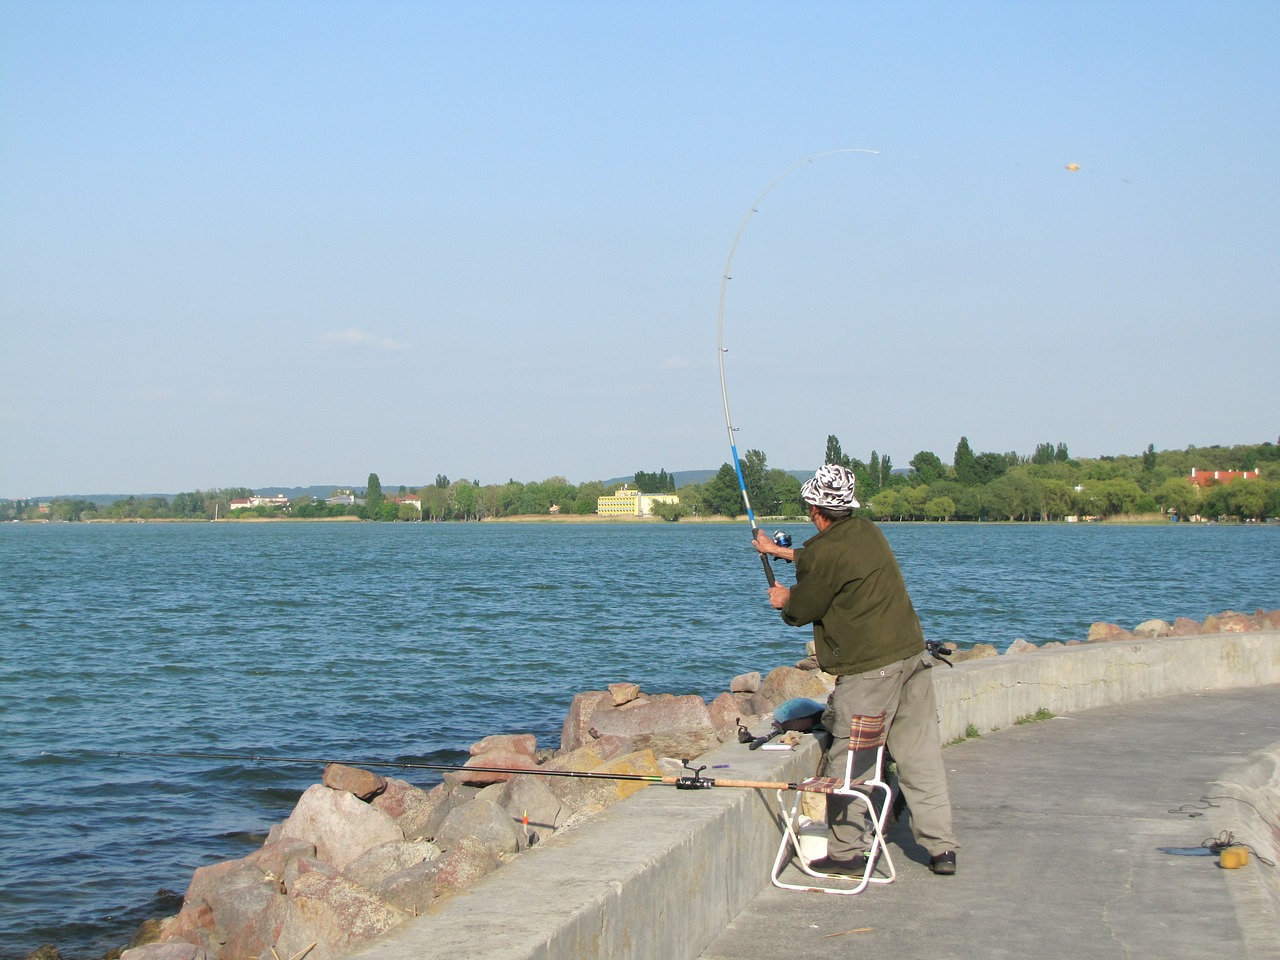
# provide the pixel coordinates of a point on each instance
(362, 853)
(1229, 621)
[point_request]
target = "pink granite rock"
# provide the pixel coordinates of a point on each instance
(361, 784)
(175, 950)
(336, 915)
(493, 758)
(668, 725)
(788, 683)
(409, 806)
(1021, 646)
(1107, 632)
(525, 743)
(577, 721)
(1184, 627)
(623, 693)
(745, 682)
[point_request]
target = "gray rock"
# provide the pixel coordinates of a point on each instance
(382, 861)
(1153, 630)
(482, 821)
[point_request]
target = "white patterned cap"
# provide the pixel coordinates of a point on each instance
(830, 488)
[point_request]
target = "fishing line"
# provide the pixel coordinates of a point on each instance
(722, 349)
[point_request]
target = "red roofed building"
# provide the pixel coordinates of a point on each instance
(1204, 478)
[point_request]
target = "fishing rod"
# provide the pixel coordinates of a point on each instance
(692, 778)
(722, 350)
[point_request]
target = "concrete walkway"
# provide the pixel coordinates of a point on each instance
(1061, 821)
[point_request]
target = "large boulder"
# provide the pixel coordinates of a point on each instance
(329, 917)
(233, 902)
(362, 784)
(979, 651)
(745, 682)
(1107, 632)
(1153, 630)
(374, 866)
(175, 950)
(1021, 646)
(577, 722)
(482, 821)
(492, 759)
(340, 826)
(410, 807)
(669, 725)
(520, 743)
(532, 806)
(1229, 622)
(1185, 627)
(789, 683)
(588, 795)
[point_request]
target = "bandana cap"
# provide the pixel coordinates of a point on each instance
(830, 488)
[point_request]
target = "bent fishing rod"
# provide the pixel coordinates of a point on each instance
(692, 778)
(722, 350)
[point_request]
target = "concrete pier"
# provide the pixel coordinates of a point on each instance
(1060, 820)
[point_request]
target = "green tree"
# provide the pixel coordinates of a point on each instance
(927, 467)
(886, 504)
(1043, 454)
(373, 498)
(940, 508)
(886, 472)
(1247, 498)
(721, 493)
(873, 476)
(966, 464)
(1178, 495)
(834, 454)
(755, 467)
(464, 500)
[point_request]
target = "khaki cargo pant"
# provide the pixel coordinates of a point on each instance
(903, 691)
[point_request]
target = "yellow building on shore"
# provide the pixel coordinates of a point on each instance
(626, 502)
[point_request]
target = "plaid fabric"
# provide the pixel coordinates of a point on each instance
(828, 785)
(866, 733)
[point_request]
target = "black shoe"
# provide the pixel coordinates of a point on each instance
(853, 867)
(944, 864)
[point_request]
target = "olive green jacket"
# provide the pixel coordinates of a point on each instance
(849, 587)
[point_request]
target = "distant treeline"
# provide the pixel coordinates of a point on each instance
(1046, 485)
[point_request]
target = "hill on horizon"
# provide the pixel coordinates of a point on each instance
(320, 491)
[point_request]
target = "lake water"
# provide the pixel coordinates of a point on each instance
(411, 641)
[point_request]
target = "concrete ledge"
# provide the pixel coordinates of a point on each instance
(1247, 802)
(995, 692)
(661, 873)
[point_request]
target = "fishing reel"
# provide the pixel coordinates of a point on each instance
(782, 539)
(939, 652)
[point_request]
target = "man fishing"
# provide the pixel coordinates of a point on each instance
(866, 633)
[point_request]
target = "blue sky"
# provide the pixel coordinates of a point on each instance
(272, 243)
